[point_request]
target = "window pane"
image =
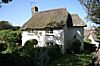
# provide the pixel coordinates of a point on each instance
(51, 30)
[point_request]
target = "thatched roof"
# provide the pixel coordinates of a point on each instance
(77, 21)
(52, 18)
(49, 18)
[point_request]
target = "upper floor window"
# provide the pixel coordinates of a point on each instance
(50, 30)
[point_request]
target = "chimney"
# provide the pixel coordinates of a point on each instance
(34, 10)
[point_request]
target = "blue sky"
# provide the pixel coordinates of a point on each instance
(19, 11)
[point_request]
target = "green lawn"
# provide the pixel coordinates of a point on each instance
(83, 59)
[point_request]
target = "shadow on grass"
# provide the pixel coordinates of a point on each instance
(72, 60)
(14, 60)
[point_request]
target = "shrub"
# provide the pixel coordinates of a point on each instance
(2, 47)
(28, 48)
(10, 59)
(41, 56)
(89, 47)
(54, 51)
(34, 41)
(23, 56)
(76, 46)
(10, 38)
(88, 40)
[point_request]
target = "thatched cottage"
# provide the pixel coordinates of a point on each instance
(56, 26)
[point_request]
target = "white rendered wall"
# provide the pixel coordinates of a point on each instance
(38, 35)
(41, 36)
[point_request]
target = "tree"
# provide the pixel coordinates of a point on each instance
(5, 25)
(4, 1)
(92, 7)
(10, 38)
(98, 32)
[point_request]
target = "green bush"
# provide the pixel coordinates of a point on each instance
(88, 40)
(28, 48)
(75, 48)
(23, 56)
(54, 51)
(2, 47)
(10, 38)
(10, 59)
(89, 47)
(34, 41)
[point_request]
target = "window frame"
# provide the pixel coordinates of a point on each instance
(49, 30)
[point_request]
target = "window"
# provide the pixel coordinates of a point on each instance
(50, 43)
(30, 30)
(49, 30)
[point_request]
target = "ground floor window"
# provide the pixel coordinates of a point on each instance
(50, 43)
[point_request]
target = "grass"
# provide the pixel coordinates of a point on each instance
(83, 59)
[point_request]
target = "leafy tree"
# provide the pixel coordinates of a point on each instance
(98, 32)
(5, 1)
(5, 25)
(11, 38)
(92, 7)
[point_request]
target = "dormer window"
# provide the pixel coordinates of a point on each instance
(49, 30)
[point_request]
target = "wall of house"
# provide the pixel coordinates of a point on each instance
(75, 32)
(57, 37)
(38, 35)
(93, 40)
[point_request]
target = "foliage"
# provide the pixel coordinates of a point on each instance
(5, 1)
(34, 41)
(76, 46)
(27, 49)
(10, 59)
(16, 56)
(89, 47)
(41, 56)
(10, 38)
(92, 8)
(54, 51)
(5, 25)
(21, 56)
(88, 40)
(15, 28)
(2, 47)
(83, 59)
(98, 32)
